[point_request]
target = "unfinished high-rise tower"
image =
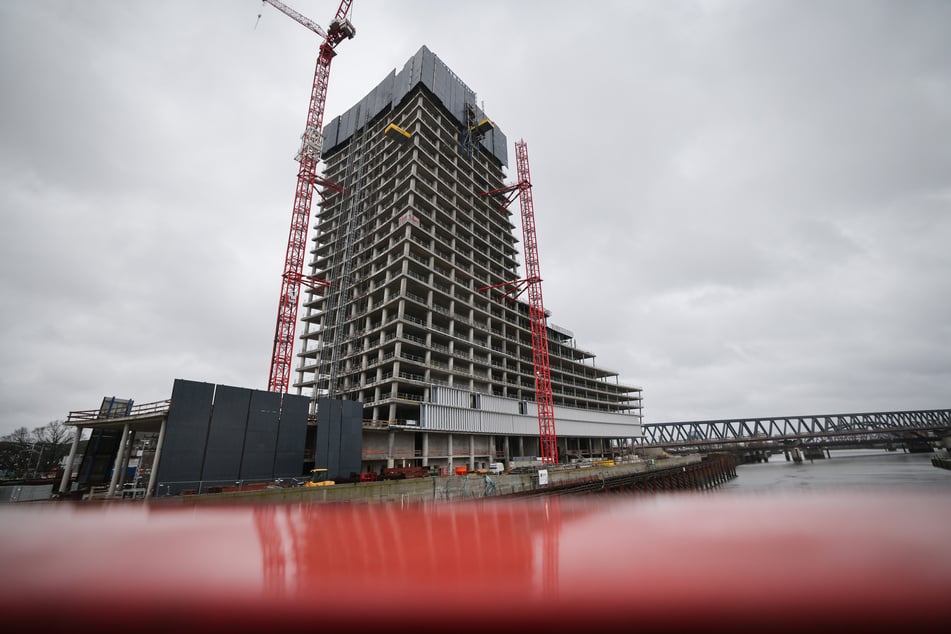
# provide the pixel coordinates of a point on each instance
(443, 370)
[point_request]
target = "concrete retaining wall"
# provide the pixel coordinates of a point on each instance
(434, 489)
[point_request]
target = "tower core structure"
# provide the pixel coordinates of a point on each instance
(411, 242)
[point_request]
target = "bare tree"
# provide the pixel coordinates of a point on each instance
(53, 442)
(53, 433)
(26, 453)
(15, 451)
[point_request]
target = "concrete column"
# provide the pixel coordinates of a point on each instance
(64, 484)
(449, 451)
(471, 452)
(425, 448)
(150, 490)
(521, 445)
(125, 460)
(117, 465)
(505, 449)
(390, 443)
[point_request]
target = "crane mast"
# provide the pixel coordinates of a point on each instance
(548, 443)
(282, 356)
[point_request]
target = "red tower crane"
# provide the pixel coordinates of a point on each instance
(536, 306)
(307, 179)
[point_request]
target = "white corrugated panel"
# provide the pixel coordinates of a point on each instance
(454, 419)
(489, 403)
(503, 423)
(444, 395)
(568, 421)
(582, 422)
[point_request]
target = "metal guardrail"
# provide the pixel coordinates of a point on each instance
(144, 409)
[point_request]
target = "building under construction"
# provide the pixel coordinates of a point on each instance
(442, 366)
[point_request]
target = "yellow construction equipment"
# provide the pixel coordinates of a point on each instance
(318, 478)
(398, 132)
(481, 127)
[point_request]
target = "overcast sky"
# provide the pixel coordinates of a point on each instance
(743, 208)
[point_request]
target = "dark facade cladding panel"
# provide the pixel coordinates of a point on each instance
(346, 125)
(420, 66)
(330, 133)
(402, 83)
(351, 437)
(442, 82)
(456, 102)
(341, 128)
(428, 70)
(339, 439)
(381, 97)
(424, 67)
(260, 441)
(333, 442)
(99, 457)
(333, 438)
(229, 418)
(291, 436)
(326, 454)
(186, 431)
(499, 145)
(322, 439)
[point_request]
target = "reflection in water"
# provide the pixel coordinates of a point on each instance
(859, 557)
(547, 547)
(356, 548)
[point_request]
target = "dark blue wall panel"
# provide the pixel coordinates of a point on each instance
(186, 432)
(260, 439)
(100, 456)
(351, 437)
(217, 435)
(328, 435)
(226, 435)
(291, 436)
(339, 437)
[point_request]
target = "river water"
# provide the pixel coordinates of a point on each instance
(866, 469)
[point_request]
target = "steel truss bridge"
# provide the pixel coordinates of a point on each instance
(825, 429)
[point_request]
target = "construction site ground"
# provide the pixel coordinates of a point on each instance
(432, 489)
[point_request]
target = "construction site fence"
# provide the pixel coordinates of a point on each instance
(197, 487)
(417, 454)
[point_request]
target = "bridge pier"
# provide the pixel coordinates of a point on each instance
(814, 453)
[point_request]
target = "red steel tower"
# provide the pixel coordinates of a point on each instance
(536, 306)
(307, 179)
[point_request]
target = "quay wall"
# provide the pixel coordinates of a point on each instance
(681, 472)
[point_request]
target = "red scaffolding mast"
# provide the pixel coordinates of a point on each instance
(282, 356)
(536, 306)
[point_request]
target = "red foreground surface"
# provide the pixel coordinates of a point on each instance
(704, 562)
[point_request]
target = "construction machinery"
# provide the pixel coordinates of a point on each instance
(307, 181)
(532, 283)
(319, 478)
